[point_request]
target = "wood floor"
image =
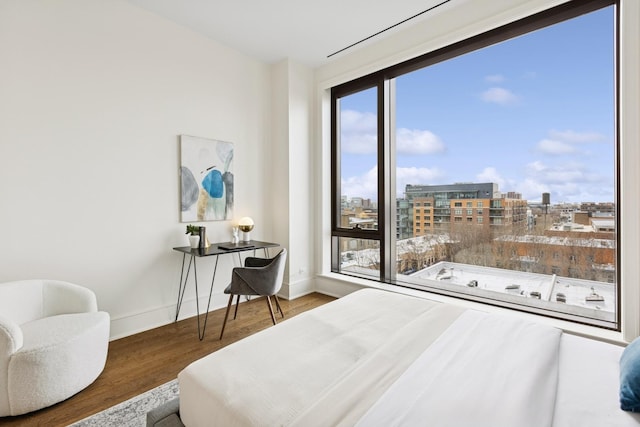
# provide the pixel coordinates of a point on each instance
(143, 361)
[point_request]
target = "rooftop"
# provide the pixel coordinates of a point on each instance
(583, 295)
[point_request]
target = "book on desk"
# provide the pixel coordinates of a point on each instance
(235, 246)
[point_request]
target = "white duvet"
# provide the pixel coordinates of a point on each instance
(376, 358)
(484, 370)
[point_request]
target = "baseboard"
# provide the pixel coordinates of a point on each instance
(134, 323)
(297, 289)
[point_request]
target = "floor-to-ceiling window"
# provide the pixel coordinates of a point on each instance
(487, 169)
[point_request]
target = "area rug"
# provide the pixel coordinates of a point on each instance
(132, 412)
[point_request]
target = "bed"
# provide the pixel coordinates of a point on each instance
(376, 358)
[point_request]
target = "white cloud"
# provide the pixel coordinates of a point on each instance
(494, 78)
(499, 95)
(550, 146)
(415, 176)
(366, 185)
(491, 174)
(359, 132)
(532, 189)
(356, 121)
(568, 142)
(577, 137)
(535, 167)
(359, 136)
(415, 141)
(570, 182)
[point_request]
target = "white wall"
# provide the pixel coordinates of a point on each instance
(292, 192)
(458, 21)
(93, 96)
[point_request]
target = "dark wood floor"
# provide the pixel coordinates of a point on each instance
(143, 361)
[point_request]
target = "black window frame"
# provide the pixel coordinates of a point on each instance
(380, 79)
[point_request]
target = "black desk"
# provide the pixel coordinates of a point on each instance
(216, 249)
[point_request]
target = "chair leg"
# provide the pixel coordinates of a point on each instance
(278, 305)
(226, 315)
(273, 316)
(235, 314)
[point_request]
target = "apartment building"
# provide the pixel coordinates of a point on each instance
(444, 208)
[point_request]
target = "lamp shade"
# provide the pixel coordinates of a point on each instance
(245, 224)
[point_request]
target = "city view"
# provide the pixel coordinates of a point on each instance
(504, 171)
(564, 253)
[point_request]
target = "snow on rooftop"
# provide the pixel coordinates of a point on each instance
(562, 290)
(559, 240)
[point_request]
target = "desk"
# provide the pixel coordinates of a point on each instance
(216, 249)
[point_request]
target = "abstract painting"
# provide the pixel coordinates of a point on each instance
(206, 179)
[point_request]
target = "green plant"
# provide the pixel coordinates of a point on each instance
(194, 230)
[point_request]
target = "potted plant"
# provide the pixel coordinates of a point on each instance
(194, 235)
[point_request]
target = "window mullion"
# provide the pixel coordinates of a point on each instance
(390, 181)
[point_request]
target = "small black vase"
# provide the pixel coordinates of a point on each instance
(203, 234)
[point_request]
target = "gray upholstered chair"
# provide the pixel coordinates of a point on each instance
(259, 276)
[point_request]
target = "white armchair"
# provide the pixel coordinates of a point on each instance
(53, 343)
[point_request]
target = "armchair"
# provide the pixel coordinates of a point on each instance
(53, 343)
(259, 276)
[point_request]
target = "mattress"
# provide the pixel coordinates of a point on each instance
(354, 361)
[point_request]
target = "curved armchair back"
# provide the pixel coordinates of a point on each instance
(259, 276)
(27, 300)
(274, 273)
(53, 343)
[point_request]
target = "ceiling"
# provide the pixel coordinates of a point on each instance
(306, 31)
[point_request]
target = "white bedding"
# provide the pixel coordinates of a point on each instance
(298, 372)
(345, 362)
(588, 385)
(484, 371)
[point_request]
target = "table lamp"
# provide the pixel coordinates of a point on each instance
(246, 225)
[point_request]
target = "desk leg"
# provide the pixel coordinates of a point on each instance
(183, 285)
(206, 316)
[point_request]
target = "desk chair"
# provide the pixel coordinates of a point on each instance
(259, 276)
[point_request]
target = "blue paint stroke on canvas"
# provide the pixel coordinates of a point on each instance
(213, 184)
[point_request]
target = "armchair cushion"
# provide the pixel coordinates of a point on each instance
(61, 355)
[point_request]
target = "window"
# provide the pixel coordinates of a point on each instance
(542, 89)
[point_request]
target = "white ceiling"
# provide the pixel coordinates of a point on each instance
(301, 30)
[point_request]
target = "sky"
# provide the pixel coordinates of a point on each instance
(534, 114)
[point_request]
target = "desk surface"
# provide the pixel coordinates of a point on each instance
(215, 249)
